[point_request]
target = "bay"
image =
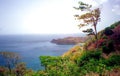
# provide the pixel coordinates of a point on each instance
(30, 47)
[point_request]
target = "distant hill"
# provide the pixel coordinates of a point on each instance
(69, 40)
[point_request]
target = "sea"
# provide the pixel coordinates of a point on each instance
(31, 47)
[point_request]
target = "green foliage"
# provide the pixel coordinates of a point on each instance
(104, 37)
(89, 31)
(82, 6)
(108, 31)
(88, 62)
(94, 62)
(105, 50)
(87, 56)
(58, 66)
(40, 73)
(93, 66)
(48, 61)
(91, 61)
(108, 47)
(114, 60)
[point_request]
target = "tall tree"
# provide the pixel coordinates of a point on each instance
(90, 17)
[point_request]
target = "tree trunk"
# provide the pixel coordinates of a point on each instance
(96, 37)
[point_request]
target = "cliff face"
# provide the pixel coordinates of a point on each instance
(69, 40)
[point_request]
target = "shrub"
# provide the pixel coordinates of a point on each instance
(104, 37)
(3, 71)
(93, 65)
(20, 69)
(89, 62)
(92, 62)
(87, 56)
(108, 31)
(114, 60)
(58, 66)
(111, 46)
(105, 50)
(108, 48)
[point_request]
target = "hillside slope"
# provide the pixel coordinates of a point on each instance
(84, 61)
(109, 37)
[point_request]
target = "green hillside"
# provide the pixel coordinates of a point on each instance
(83, 61)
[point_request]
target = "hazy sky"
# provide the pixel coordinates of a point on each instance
(50, 16)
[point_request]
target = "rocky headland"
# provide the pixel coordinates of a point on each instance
(69, 40)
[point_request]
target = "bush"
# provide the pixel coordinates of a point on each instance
(108, 47)
(88, 62)
(58, 66)
(87, 56)
(108, 31)
(111, 46)
(105, 50)
(114, 60)
(93, 65)
(91, 61)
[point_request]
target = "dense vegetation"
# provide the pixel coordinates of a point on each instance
(87, 63)
(78, 61)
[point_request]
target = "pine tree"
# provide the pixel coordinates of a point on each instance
(91, 17)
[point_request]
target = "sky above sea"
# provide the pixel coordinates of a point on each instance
(51, 16)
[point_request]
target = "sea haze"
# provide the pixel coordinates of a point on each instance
(30, 47)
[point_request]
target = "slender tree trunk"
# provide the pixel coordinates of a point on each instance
(96, 37)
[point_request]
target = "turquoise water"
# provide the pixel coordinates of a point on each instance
(30, 47)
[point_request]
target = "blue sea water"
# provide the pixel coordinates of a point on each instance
(30, 47)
